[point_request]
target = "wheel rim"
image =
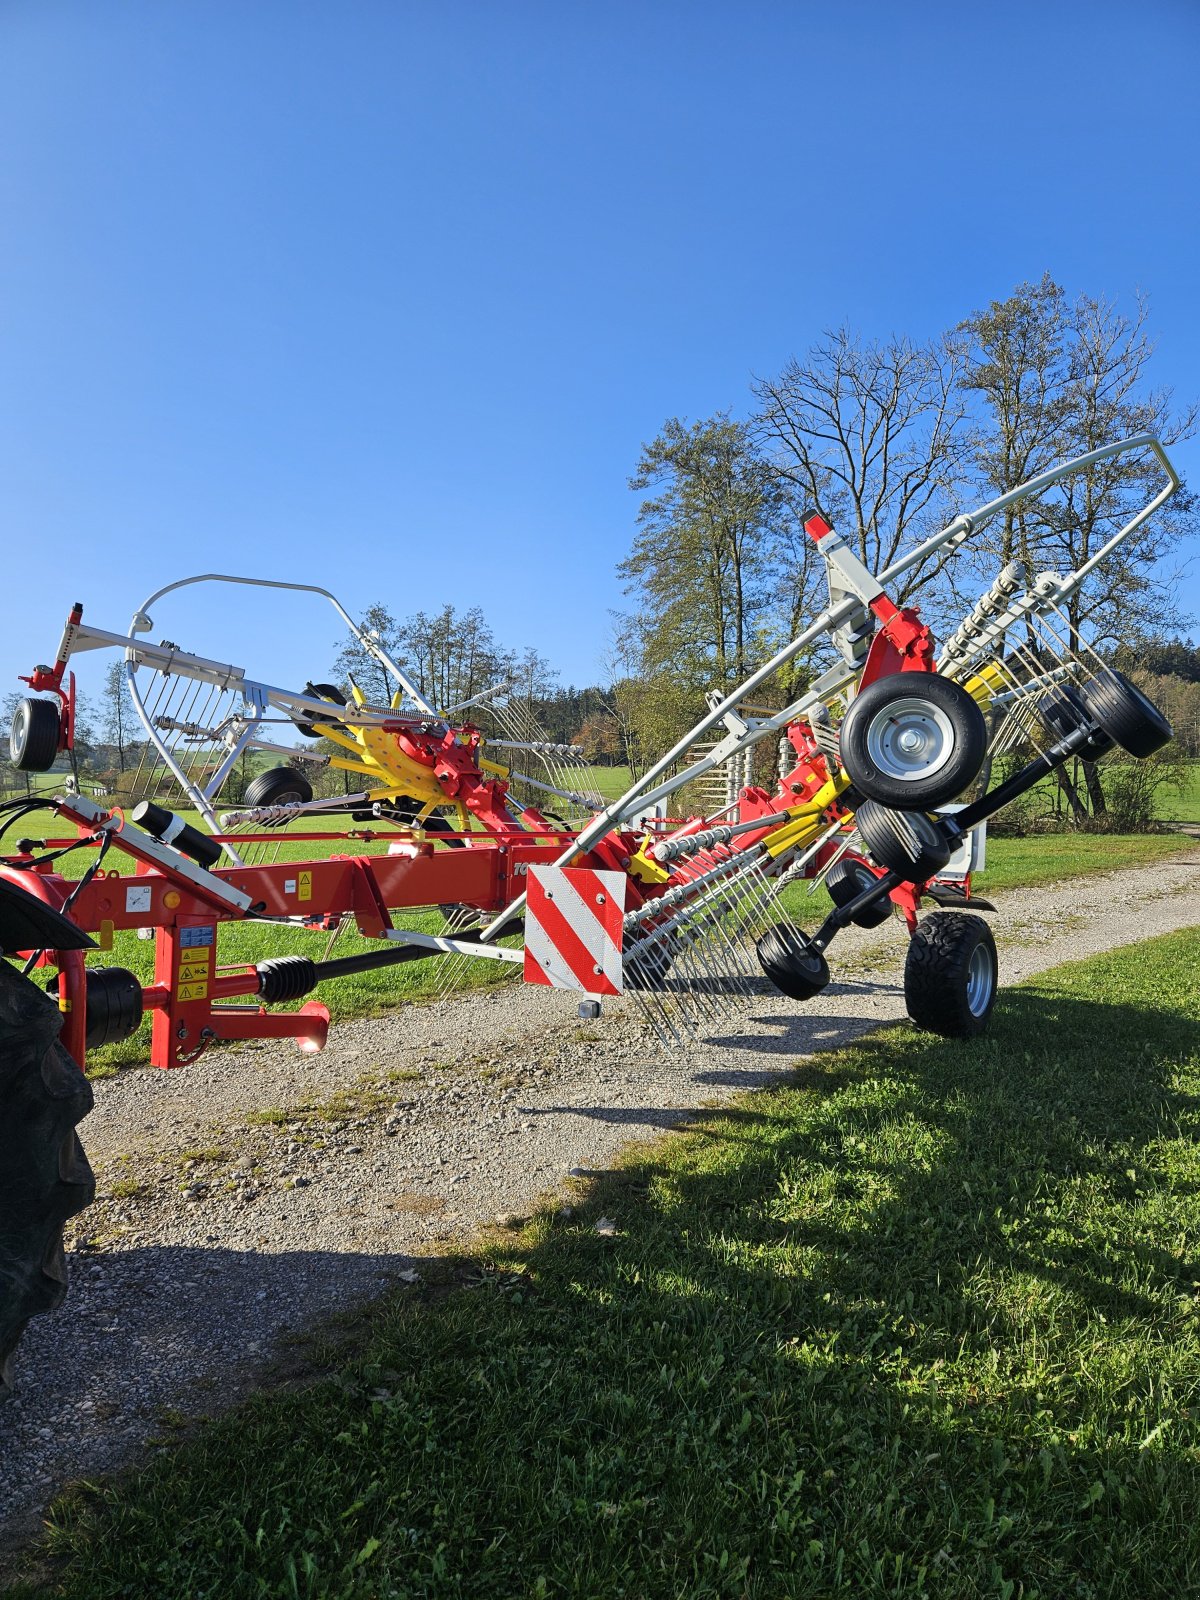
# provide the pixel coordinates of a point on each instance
(981, 980)
(909, 739)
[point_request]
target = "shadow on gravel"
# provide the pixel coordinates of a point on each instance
(801, 1035)
(101, 1376)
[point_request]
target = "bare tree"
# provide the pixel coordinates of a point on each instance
(116, 710)
(453, 655)
(1055, 378)
(875, 436)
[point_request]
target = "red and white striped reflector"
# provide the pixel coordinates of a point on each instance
(573, 926)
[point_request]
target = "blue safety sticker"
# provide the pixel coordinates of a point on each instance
(189, 937)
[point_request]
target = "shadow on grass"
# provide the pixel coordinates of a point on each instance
(921, 1321)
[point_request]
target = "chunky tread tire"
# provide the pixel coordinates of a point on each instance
(845, 881)
(44, 1174)
(908, 843)
(915, 790)
(278, 786)
(1126, 714)
(33, 735)
(792, 963)
(937, 974)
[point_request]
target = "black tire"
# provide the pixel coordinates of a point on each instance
(44, 1174)
(33, 735)
(913, 740)
(951, 975)
(1126, 714)
(845, 881)
(319, 691)
(794, 965)
(278, 786)
(905, 842)
(653, 965)
(1063, 712)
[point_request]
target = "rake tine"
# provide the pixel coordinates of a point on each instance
(648, 1015)
(344, 922)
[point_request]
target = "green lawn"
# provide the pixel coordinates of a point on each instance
(1049, 857)
(924, 1321)
(1184, 805)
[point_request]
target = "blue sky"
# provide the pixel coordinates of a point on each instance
(386, 296)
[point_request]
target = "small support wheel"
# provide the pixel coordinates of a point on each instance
(913, 740)
(1126, 714)
(650, 968)
(951, 975)
(1063, 712)
(33, 735)
(793, 963)
(906, 842)
(318, 691)
(1062, 709)
(278, 786)
(845, 881)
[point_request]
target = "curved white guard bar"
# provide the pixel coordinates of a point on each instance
(141, 622)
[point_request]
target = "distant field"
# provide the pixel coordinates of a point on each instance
(1183, 805)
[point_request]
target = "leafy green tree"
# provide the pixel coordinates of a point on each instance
(1054, 378)
(699, 568)
(1169, 658)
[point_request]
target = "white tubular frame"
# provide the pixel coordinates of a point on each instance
(141, 624)
(645, 791)
(257, 697)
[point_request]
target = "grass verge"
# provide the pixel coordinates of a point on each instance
(1053, 857)
(923, 1321)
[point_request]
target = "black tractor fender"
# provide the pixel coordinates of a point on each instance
(27, 923)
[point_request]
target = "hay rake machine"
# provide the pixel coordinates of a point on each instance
(504, 838)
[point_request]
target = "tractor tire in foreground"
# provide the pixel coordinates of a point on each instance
(44, 1174)
(951, 975)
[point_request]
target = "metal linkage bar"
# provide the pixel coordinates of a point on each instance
(454, 947)
(141, 624)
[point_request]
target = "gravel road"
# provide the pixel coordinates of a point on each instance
(230, 1216)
